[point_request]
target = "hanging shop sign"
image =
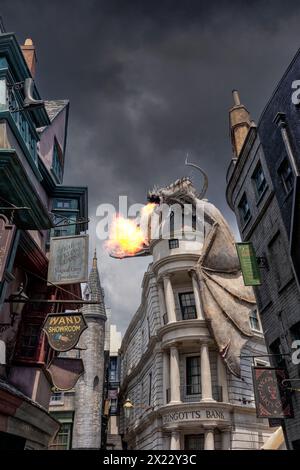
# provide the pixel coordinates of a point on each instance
(272, 398)
(64, 372)
(248, 262)
(6, 238)
(63, 330)
(68, 261)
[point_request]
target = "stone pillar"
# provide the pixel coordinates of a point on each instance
(174, 375)
(166, 375)
(206, 386)
(226, 439)
(169, 298)
(162, 303)
(222, 378)
(209, 441)
(196, 291)
(175, 440)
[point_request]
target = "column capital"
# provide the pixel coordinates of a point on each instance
(192, 272)
(166, 276)
(209, 427)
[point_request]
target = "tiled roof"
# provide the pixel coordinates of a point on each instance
(54, 107)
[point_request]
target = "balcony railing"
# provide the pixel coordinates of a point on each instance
(192, 393)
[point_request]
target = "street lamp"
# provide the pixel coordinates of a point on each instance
(127, 407)
(16, 300)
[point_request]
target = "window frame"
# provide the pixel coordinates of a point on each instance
(260, 186)
(189, 385)
(183, 307)
(257, 318)
(284, 178)
(244, 216)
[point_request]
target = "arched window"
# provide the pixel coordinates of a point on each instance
(96, 383)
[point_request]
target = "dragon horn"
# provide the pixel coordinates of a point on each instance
(205, 184)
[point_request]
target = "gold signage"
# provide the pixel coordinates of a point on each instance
(63, 330)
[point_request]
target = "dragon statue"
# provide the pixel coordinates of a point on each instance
(226, 301)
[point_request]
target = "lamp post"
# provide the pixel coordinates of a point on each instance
(127, 407)
(17, 303)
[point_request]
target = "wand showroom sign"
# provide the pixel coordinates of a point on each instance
(63, 330)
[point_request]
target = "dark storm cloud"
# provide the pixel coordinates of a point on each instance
(148, 82)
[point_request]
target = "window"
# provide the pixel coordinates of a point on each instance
(173, 243)
(254, 320)
(66, 204)
(57, 398)
(295, 331)
(57, 162)
(113, 406)
(244, 209)
(278, 358)
(65, 217)
(62, 440)
(149, 330)
(281, 271)
(259, 180)
(194, 442)
(193, 375)
(113, 369)
(30, 340)
(150, 389)
(286, 175)
(187, 305)
(260, 363)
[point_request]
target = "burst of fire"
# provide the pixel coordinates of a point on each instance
(126, 237)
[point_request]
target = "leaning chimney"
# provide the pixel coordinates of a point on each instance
(28, 50)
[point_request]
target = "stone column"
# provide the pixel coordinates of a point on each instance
(174, 375)
(169, 298)
(222, 378)
(196, 291)
(162, 303)
(166, 375)
(206, 386)
(226, 439)
(175, 440)
(209, 441)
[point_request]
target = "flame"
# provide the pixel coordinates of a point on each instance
(126, 238)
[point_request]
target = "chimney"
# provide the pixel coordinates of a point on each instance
(240, 123)
(28, 50)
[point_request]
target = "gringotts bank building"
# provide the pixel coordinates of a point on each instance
(184, 381)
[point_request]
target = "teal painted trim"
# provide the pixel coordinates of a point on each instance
(16, 182)
(63, 416)
(12, 52)
(6, 115)
(6, 74)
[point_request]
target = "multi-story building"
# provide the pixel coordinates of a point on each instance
(263, 191)
(89, 415)
(35, 205)
(113, 440)
(180, 393)
(80, 410)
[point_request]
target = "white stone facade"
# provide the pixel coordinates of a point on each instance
(171, 410)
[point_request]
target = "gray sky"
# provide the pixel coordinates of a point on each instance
(148, 82)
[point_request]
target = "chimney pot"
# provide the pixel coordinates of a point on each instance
(28, 50)
(236, 97)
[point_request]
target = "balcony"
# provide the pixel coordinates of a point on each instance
(192, 393)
